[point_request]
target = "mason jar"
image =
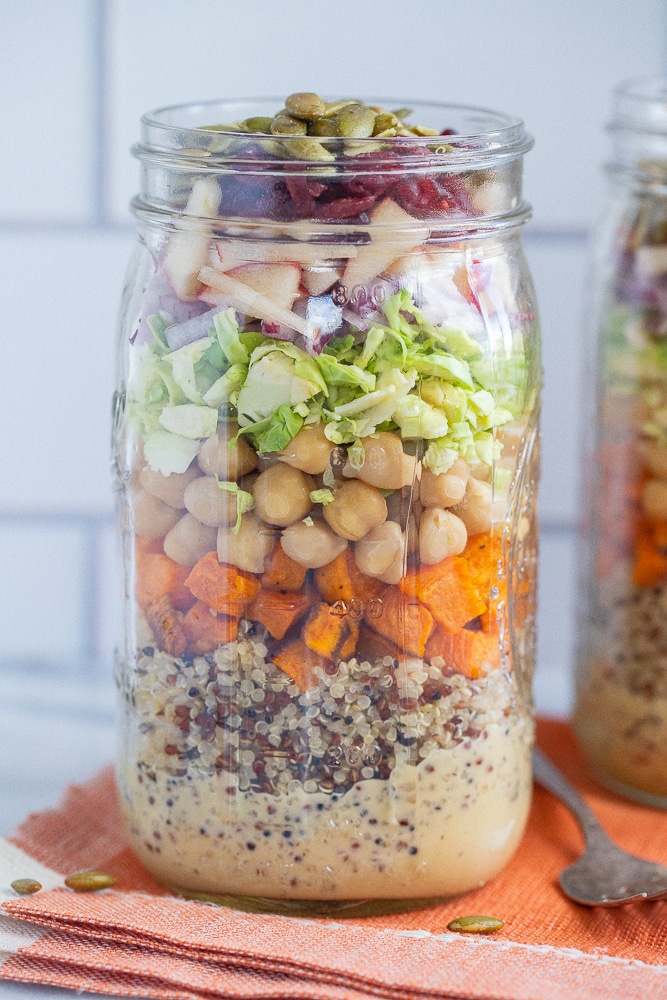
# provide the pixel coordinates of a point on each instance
(621, 674)
(326, 459)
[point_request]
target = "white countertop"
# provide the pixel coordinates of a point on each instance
(53, 731)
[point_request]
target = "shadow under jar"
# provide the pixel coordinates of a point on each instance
(621, 672)
(326, 454)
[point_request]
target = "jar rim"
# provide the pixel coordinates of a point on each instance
(479, 134)
(640, 105)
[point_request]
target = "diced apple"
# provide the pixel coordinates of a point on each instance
(390, 239)
(278, 282)
(390, 215)
(227, 254)
(187, 249)
(225, 290)
(318, 280)
(372, 260)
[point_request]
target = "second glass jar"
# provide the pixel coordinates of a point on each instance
(326, 454)
(621, 706)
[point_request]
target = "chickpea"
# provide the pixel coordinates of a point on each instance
(380, 552)
(478, 510)
(169, 489)
(250, 547)
(654, 499)
(385, 463)
(152, 517)
(216, 458)
(309, 450)
(481, 471)
(189, 540)
(312, 545)
(447, 488)
(282, 495)
(441, 534)
(356, 509)
(210, 503)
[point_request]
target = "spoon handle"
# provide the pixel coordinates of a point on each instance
(548, 775)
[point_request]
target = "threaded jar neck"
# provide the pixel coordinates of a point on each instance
(639, 131)
(466, 175)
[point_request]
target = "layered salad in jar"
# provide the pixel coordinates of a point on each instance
(327, 472)
(621, 713)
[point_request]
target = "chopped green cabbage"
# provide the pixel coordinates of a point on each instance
(425, 382)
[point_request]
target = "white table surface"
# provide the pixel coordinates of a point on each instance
(58, 730)
(53, 731)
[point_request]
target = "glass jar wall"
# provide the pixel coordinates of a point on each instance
(326, 451)
(621, 702)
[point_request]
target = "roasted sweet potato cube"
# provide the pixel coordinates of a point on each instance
(276, 611)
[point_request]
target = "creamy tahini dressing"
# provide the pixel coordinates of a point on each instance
(440, 828)
(625, 736)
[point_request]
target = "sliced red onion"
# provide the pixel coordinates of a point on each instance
(159, 296)
(354, 319)
(278, 331)
(179, 334)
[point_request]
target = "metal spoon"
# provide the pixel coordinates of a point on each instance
(604, 875)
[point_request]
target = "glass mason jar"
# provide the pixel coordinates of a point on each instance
(326, 442)
(621, 674)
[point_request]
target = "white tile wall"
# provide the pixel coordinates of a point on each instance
(56, 372)
(47, 111)
(553, 64)
(559, 268)
(45, 614)
(75, 76)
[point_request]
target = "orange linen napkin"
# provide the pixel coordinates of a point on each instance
(139, 940)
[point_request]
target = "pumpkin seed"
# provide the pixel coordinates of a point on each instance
(258, 124)
(26, 886)
(305, 105)
(475, 925)
(284, 124)
(356, 121)
(384, 121)
(235, 127)
(89, 881)
(333, 107)
(402, 113)
(307, 149)
(424, 130)
(323, 126)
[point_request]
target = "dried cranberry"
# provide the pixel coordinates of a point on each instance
(301, 196)
(344, 208)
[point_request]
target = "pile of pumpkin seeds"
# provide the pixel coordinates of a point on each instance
(307, 117)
